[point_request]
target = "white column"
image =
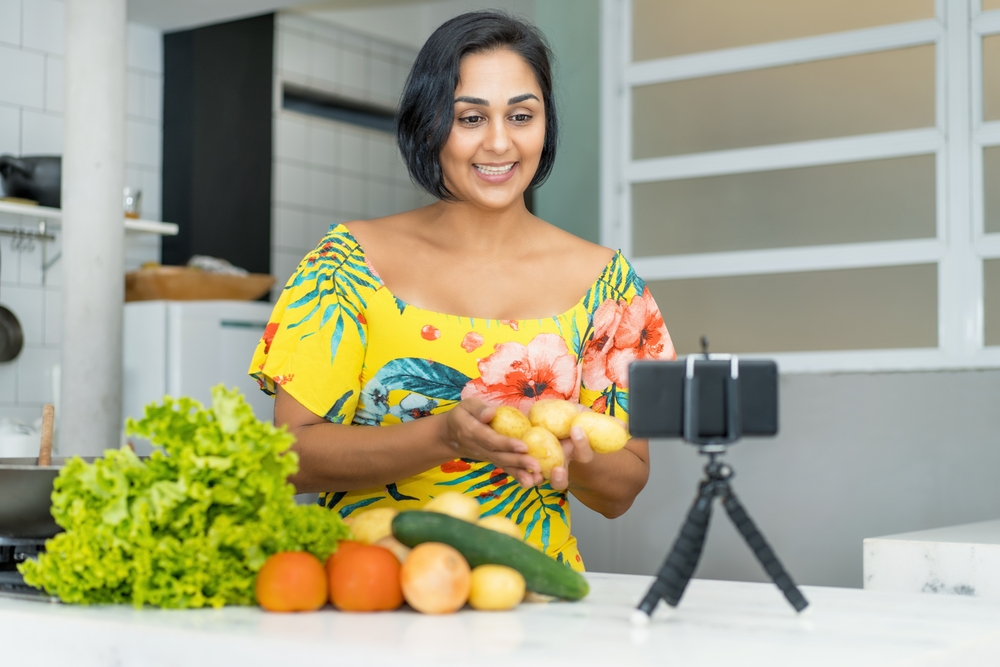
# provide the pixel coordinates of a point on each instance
(93, 231)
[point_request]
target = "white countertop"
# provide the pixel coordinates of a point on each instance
(717, 623)
(955, 560)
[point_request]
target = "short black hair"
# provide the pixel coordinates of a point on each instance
(426, 109)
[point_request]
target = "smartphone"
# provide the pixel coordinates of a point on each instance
(656, 397)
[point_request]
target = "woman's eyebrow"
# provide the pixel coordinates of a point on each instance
(485, 103)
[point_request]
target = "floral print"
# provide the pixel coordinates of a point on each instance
(346, 348)
(518, 375)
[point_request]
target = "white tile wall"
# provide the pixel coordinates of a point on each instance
(32, 37)
(10, 21)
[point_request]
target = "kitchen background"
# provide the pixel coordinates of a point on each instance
(860, 453)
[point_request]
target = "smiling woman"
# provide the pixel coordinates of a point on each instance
(395, 341)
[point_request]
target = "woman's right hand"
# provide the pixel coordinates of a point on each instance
(466, 430)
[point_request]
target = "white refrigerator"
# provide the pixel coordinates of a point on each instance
(184, 348)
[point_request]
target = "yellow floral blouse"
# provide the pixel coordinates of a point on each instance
(346, 348)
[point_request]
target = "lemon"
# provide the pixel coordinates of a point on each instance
(455, 504)
(372, 525)
(496, 588)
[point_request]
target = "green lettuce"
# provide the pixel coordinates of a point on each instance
(191, 525)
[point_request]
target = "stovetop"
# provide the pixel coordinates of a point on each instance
(13, 551)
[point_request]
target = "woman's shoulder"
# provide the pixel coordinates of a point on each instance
(590, 263)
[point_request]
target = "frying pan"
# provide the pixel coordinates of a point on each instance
(26, 498)
(11, 335)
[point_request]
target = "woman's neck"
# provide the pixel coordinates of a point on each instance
(465, 227)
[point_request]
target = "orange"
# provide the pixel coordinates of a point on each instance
(365, 578)
(342, 548)
(291, 581)
(436, 578)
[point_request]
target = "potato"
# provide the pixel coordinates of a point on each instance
(502, 524)
(398, 549)
(372, 525)
(545, 448)
(455, 504)
(496, 588)
(510, 422)
(554, 415)
(606, 434)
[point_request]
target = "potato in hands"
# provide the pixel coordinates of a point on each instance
(606, 434)
(554, 415)
(545, 448)
(510, 422)
(549, 421)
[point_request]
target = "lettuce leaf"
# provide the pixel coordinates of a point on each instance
(191, 525)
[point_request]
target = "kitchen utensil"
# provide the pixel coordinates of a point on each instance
(26, 498)
(37, 177)
(45, 443)
(11, 335)
(178, 283)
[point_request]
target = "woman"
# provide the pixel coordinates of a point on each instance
(396, 338)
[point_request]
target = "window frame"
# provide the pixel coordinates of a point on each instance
(957, 141)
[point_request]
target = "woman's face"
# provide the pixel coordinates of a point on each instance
(496, 140)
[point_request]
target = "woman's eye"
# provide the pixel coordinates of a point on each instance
(471, 121)
(521, 117)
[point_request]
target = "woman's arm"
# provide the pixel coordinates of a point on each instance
(346, 458)
(607, 483)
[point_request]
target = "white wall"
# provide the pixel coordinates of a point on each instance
(32, 41)
(412, 24)
(326, 172)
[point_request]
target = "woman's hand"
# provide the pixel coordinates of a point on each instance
(466, 430)
(575, 448)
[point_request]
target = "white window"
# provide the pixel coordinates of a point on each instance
(814, 181)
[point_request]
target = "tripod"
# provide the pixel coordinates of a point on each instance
(682, 560)
(680, 564)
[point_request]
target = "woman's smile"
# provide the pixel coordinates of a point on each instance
(495, 173)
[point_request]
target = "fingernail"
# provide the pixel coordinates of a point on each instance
(576, 433)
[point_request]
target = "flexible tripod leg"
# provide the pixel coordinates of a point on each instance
(682, 560)
(763, 551)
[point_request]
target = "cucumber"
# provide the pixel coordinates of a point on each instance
(481, 546)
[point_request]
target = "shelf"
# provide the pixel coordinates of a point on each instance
(131, 224)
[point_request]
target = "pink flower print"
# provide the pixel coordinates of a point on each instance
(595, 355)
(511, 323)
(640, 335)
(472, 341)
(518, 375)
(430, 332)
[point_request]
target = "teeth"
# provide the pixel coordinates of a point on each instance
(493, 171)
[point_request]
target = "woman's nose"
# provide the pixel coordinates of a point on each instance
(497, 138)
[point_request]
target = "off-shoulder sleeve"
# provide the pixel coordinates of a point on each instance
(315, 340)
(626, 326)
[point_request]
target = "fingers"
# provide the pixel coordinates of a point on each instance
(560, 478)
(470, 432)
(475, 407)
(582, 451)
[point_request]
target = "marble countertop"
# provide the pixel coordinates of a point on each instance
(717, 623)
(955, 560)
